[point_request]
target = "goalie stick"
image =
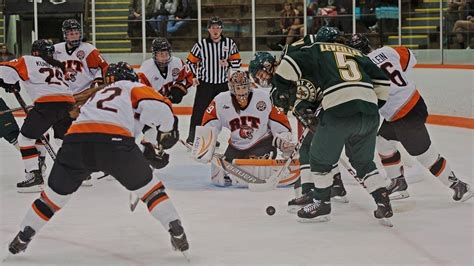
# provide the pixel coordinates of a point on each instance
(231, 168)
(46, 143)
(272, 182)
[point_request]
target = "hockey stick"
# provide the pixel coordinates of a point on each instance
(231, 168)
(14, 110)
(46, 143)
(272, 182)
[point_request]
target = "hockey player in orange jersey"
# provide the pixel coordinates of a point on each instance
(102, 139)
(405, 114)
(44, 80)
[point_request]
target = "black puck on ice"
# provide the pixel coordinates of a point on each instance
(270, 210)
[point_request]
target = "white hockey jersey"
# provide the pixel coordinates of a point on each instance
(85, 61)
(254, 123)
(116, 109)
(150, 75)
(397, 63)
(42, 82)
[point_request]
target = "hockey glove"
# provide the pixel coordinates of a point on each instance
(10, 87)
(305, 112)
(168, 139)
(157, 159)
(284, 98)
(177, 91)
(283, 142)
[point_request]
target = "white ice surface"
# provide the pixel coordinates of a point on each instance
(228, 226)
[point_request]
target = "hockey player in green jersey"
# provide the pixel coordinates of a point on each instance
(351, 87)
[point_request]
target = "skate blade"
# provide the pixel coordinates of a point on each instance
(341, 199)
(133, 202)
(86, 183)
(186, 255)
(32, 189)
(398, 195)
(320, 219)
(467, 196)
(294, 209)
(385, 222)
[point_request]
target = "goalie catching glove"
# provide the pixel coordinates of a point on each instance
(283, 142)
(177, 92)
(157, 158)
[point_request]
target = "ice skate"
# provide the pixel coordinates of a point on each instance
(87, 182)
(21, 240)
(398, 188)
(462, 191)
(297, 203)
(384, 209)
(318, 211)
(34, 183)
(178, 237)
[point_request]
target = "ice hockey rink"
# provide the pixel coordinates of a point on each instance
(229, 226)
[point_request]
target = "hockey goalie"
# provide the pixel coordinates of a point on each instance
(258, 131)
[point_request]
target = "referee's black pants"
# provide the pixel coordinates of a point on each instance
(205, 93)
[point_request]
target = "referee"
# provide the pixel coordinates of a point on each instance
(210, 60)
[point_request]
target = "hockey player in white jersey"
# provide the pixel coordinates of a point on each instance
(80, 57)
(168, 74)
(105, 130)
(257, 128)
(43, 78)
(405, 114)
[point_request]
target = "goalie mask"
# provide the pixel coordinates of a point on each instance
(262, 67)
(360, 42)
(161, 51)
(120, 71)
(239, 87)
(72, 32)
(42, 48)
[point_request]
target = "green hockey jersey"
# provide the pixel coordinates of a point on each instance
(349, 81)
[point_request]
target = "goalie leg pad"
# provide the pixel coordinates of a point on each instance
(204, 144)
(218, 175)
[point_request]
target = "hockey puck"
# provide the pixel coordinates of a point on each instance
(270, 210)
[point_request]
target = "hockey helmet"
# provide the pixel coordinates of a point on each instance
(42, 48)
(71, 25)
(327, 34)
(161, 44)
(359, 42)
(215, 20)
(263, 61)
(120, 71)
(239, 85)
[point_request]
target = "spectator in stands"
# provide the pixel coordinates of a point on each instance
(5, 55)
(134, 20)
(297, 28)
(465, 31)
(164, 10)
(183, 12)
(459, 6)
(287, 17)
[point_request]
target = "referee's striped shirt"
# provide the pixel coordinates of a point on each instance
(205, 56)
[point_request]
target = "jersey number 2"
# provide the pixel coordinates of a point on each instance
(115, 92)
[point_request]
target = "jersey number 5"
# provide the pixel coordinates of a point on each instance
(348, 68)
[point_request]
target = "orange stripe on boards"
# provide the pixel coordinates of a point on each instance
(41, 215)
(165, 197)
(452, 121)
(444, 66)
(443, 120)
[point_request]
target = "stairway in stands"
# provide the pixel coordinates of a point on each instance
(111, 26)
(419, 26)
(2, 27)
